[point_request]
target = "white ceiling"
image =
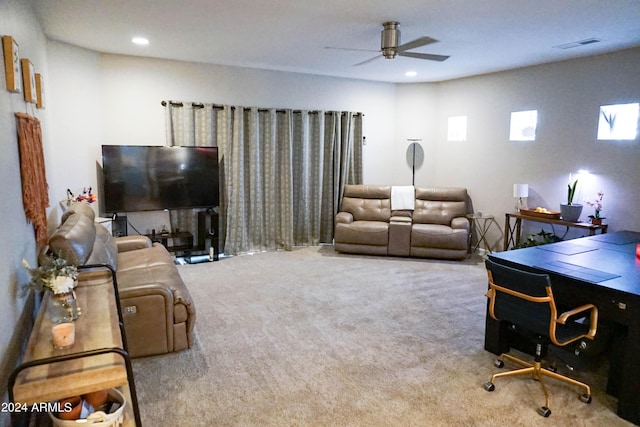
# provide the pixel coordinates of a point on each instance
(481, 36)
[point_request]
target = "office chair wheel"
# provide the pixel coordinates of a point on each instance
(498, 363)
(544, 411)
(489, 386)
(586, 398)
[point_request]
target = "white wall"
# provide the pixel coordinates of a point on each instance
(113, 99)
(77, 124)
(16, 235)
(567, 96)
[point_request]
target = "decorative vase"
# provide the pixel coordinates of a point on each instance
(570, 213)
(62, 307)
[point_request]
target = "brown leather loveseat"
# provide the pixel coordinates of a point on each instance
(434, 227)
(158, 312)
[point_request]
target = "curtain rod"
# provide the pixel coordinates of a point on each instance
(220, 107)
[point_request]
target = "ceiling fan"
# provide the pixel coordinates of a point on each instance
(390, 38)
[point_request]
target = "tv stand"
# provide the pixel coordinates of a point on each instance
(208, 232)
(174, 242)
(119, 225)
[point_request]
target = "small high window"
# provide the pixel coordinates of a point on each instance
(457, 130)
(523, 125)
(618, 122)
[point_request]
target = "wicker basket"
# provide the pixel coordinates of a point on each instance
(98, 418)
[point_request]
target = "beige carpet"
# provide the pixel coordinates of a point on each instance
(315, 338)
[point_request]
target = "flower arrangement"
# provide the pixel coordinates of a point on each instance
(57, 275)
(86, 196)
(597, 205)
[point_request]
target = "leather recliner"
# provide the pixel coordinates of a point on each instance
(158, 311)
(362, 225)
(437, 227)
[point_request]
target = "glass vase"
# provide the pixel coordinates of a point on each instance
(62, 307)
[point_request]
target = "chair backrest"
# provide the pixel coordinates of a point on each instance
(367, 202)
(522, 298)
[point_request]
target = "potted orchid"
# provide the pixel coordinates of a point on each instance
(597, 205)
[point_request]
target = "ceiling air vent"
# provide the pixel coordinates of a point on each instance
(578, 43)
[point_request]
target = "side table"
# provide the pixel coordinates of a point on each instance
(512, 232)
(481, 223)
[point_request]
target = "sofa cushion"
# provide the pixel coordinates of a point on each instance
(367, 202)
(82, 208)
(439, 205)
(142, 259)
(438, 236)
(105, 250)
(74, 239)
(374, 233)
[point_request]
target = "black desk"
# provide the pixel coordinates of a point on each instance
(603, 270)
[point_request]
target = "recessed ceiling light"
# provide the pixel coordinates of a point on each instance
(140, 41)
(411, 73)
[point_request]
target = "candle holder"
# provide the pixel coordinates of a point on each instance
(63, 335)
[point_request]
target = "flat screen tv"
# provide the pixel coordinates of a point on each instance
(145, 178)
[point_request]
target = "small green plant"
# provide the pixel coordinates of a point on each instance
(542, 238)
(571, 190)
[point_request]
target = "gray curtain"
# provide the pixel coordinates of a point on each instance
(282, 171)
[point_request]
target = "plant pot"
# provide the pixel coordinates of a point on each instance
(71, 408)
(596, 221)
(570, 213)
(97, 398)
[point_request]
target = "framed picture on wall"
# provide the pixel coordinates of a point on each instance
(39, 91)
(28, 80)
(11, 63)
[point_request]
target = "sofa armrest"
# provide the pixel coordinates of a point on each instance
(401, 219)
(460, 223)
(344, 218)
(130, 243)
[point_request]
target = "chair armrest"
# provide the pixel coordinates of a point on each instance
(593, 319)
(460, 223)
(131, 243)
(344, 218)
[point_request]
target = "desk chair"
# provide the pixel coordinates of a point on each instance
(525, 302)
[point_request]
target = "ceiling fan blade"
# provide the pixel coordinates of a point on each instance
(428, 56)
(367, 61)
(349, 48)
(422, 41)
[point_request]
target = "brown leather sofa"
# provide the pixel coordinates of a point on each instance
(437, 227)
(158, 312)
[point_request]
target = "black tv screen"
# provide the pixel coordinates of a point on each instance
(146, 178)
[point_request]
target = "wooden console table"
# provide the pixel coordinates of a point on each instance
(512, 232)
(97, 360)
